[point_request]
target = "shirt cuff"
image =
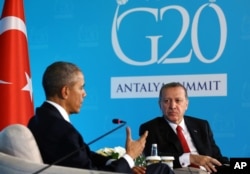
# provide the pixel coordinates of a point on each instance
(185, 159)
(129, 160)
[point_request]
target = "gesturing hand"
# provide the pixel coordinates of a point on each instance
(135, 148)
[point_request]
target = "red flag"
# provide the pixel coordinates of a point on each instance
(15, 77)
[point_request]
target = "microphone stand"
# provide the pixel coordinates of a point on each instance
(72, 153)
(118, 127)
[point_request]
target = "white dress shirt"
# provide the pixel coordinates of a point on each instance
(185, 157)
(60, 109)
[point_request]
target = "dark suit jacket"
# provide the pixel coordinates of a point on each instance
(57, 138)
(168, 143)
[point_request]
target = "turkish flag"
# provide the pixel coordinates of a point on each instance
(15, 78)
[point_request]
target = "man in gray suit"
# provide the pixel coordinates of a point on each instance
(203, 151)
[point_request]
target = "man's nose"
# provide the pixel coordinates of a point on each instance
(172, 104)
(84, 94)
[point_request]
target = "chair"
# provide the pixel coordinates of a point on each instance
(19, 154)
(18, 141)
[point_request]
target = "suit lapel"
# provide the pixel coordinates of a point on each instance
(195, 134)
(168, 133)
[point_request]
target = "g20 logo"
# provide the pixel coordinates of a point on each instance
(154, 40)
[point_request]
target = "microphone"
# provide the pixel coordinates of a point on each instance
(115, 121)
(118, 121)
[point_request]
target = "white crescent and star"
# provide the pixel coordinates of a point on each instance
(28, 86)
(15, 23)
(12, 23)
(4, 82)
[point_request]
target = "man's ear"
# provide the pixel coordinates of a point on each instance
(187, 104)
(64, 92)
(159, 103)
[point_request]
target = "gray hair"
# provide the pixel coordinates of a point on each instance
(57, 75)
(172, 85)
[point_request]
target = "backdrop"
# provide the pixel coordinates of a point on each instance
(128, 49)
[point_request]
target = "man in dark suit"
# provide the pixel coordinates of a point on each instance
(63, 83)
(202, 152)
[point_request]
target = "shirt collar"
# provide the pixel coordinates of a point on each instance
(61, 110)
(173, 125)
